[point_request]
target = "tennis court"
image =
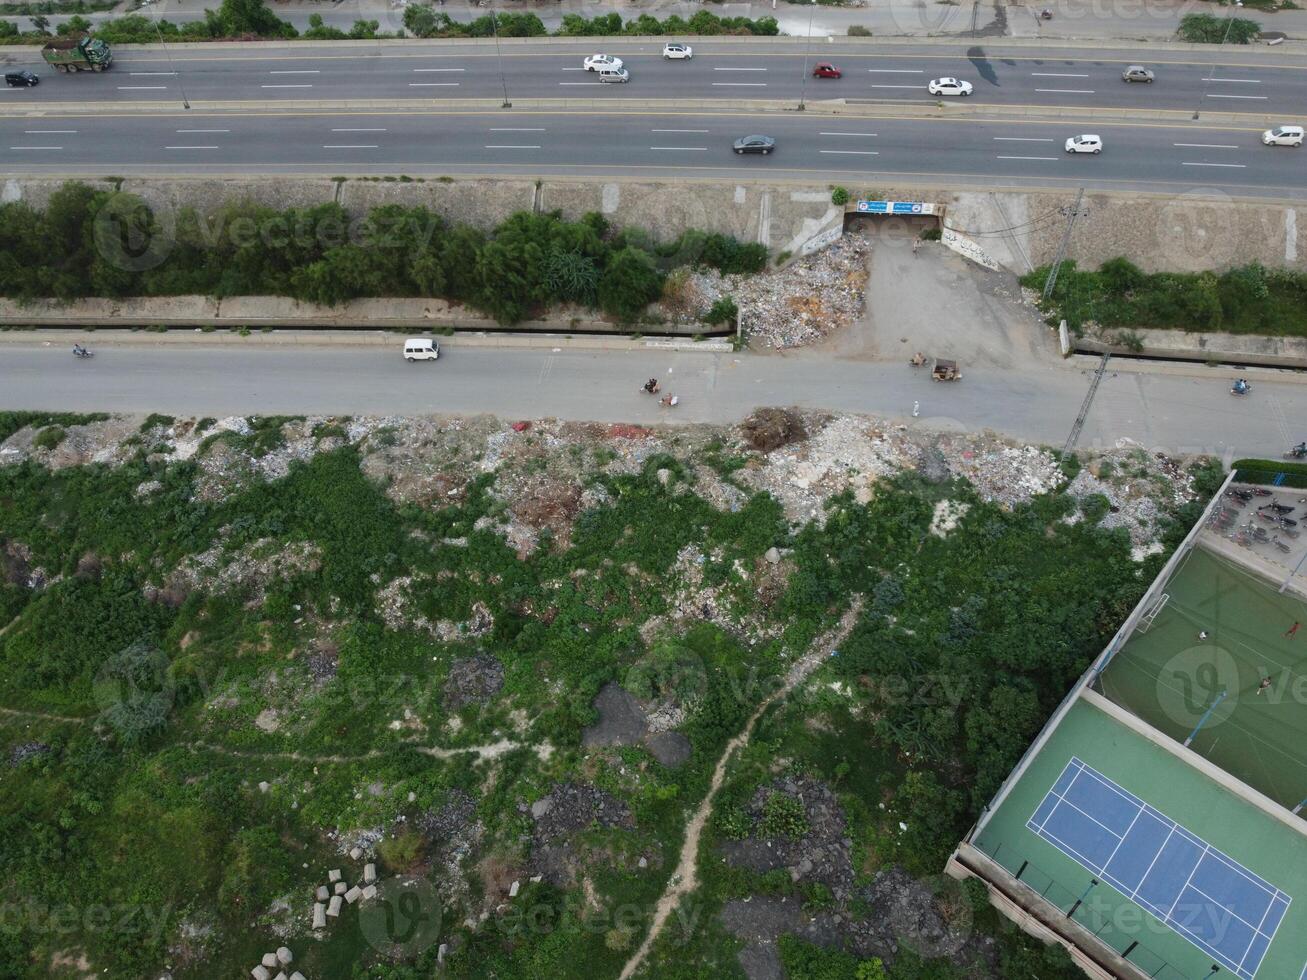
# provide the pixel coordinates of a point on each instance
(1212, 900)
(1211, 687)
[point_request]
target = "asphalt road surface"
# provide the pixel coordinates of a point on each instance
(1162, 412)
(1236, 81)
(1155, 156)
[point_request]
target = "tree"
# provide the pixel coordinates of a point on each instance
(629, 284)
(238, 17)
(41, 24)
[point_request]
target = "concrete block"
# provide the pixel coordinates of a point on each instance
(323, 893)
(370, 891)
(369, 873)
(261, 972)
(353, 894)
(284, 955)
(319, 915)
(333, 909)
(333, 874)
(341, 888)
(270, 960)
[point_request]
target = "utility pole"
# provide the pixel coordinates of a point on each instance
(803, 85)
(1071, 215)
(499, 56)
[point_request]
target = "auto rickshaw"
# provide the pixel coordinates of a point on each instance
(945, 370)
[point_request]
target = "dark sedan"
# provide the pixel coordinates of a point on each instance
(755, 144)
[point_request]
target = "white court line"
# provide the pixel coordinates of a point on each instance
(204, 130)
(1237, 166)
(190, 147)
(861, 153)
(36, 147)
(350, 146)
(509, 146)
(1262, 97)
(678, 147)
(142, 88)
(1023, 139)
(1068, 91)
(896, 71)
(352, 130)
(440, 69)
(1236, 81)
(1056, 74)
(295, 71)
(1026, 158)
(432, 84)
(740, 84)
(678, 130)
(46, 132)
(1209, 146)
(739, 69)
(846, 134)
(305, 85)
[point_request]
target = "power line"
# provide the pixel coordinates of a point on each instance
(1071, 215)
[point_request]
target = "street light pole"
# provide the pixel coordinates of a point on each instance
(171, 67)
(1229, 23)
(499, 57)
(803, 85)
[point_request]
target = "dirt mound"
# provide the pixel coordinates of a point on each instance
(571, 807)
(770, 428)
(473, 680)
(621, 719)
(672, 749)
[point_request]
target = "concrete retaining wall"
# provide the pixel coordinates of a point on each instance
(1225, 347)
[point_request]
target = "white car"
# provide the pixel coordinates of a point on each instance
(598, 62)
(1085, 144)
(1283, 136)
(678, 51)
(949, 86)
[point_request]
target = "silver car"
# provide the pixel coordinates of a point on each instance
(1137, 73)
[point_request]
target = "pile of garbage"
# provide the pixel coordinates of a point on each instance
(800, 304)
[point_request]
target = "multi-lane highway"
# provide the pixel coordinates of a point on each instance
(434, 108)
(1239, 81)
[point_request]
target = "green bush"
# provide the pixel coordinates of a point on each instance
(1207, 29)
(858, 30)
(49, 437)
(723, 311)
(839, 196)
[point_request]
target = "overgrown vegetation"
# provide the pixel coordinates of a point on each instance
(77, 247)
(1208, 29)
(1249, 299)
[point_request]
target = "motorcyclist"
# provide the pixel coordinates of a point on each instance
(1240, 386)
(79, 350)
(651, 386)
(1299, 450)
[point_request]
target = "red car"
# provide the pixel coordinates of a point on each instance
(824, 69)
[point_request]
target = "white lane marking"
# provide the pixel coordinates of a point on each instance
(353, 130)
(136, 73)
(350, 146)
(190, 148)
(1026, 158)
(46, 132)
(846, 134)
(516, 129)
(204, 130)
(1237, 166)
(449, 69)
(1236, 81)
(580, 83)
(1023, 139)
(860, 153)
(1056, 74)
(1262, 97)
(295, 71)
(739, 69)
(678, 130)
(576, 69)
(1068, 91)
(141, 88)
(740, 84)
(1209, 146)
(432, 84)
(306, 85)
(916, 87)
(36, 147)
(896, 71)
(509, 146)
(678, 147)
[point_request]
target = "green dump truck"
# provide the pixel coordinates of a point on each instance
(77, 54)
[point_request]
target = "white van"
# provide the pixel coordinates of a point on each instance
(420, 349)
(1283, 136)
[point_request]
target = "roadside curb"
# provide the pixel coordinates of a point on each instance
(349, 338)
(1189, 369)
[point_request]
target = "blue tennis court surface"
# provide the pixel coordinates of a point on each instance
(1213, 901)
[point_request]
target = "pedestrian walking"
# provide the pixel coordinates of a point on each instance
(916, 245)
(1266, 682)
(1292, 630)
(1202, 635)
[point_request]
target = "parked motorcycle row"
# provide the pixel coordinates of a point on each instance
(1265, 523)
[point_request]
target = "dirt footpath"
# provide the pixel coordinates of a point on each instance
(944, 306)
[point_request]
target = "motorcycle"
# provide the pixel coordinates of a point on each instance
(1281, 545)
(1244, 495)
(1259, 491)
(1046, 14)
(82, 352)
(1297, 452)
(669, 401)
(650, 387)
(1278, 507)
(1238, 389)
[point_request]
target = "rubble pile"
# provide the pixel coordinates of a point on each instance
(248, 570)
(1133, 481)
(798, 305)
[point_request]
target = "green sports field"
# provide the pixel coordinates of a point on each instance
(1178, 682)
